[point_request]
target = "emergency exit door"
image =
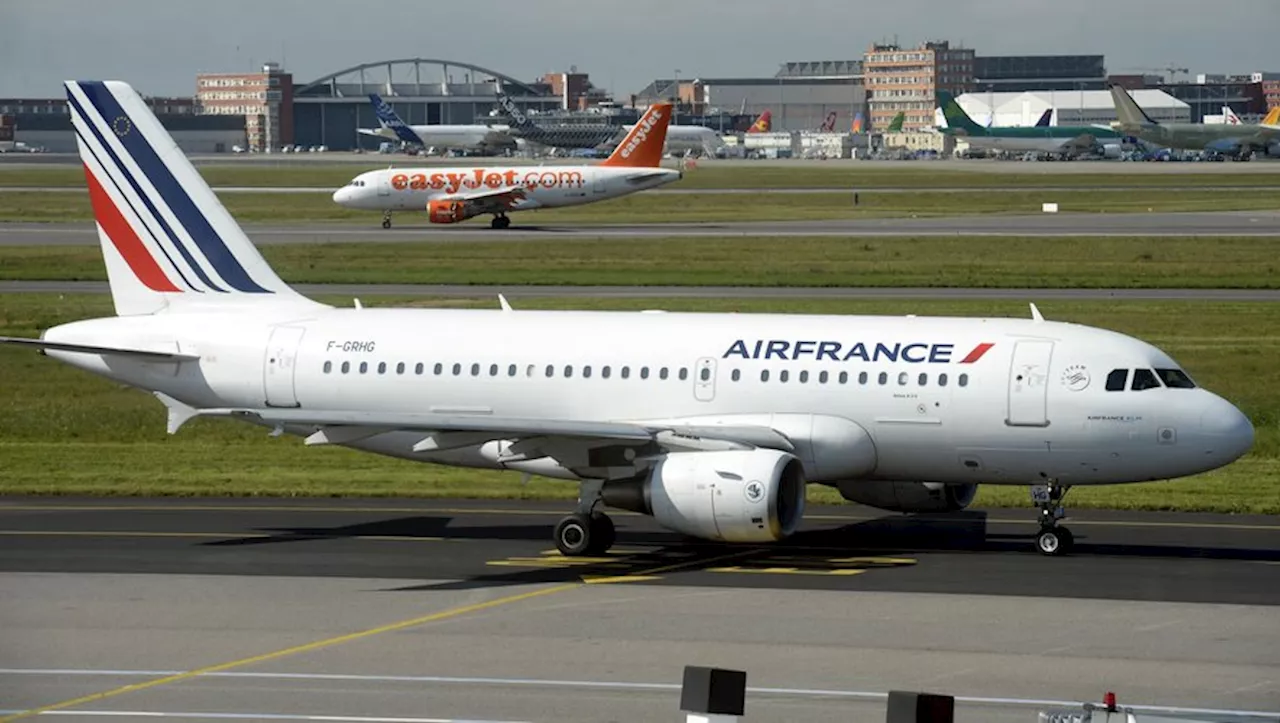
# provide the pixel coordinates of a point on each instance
(704, 379)
(280, 364)
(1029, 384)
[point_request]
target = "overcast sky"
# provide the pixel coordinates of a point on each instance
(159, 45)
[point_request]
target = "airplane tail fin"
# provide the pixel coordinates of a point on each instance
(1127, 110)
(168, 242)
(859, 124)
(955, 115)
(643, 144)
(895, 125)
(387, 118)
(828, 124)
(1229, 116)
(1272, 118)
(763, 124)
(512, 112)
(1045, 118)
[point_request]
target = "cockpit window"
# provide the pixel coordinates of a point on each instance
(1144, 379)
(1116, 380)
(1175, 379)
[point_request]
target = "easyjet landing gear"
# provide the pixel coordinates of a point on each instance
(386, 219)
(585, 532)
(500, 221)
(1052, 539)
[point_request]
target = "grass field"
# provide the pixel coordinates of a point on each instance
(736, 175)
(703, 208)
(978, 261)
(65, 432)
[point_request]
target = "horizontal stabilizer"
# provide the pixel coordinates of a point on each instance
(144, 354)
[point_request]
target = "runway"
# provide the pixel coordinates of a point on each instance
(416, 610)
(463, 291)
(768, 191)
(1226, 223)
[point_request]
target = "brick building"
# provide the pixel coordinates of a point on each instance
(264, 100)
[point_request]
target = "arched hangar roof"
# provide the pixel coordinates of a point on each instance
(410, 76)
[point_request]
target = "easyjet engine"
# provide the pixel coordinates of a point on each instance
(735, 496)
(909, 496)
(447, 211)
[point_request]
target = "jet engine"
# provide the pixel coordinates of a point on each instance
(752, 495)
(909, 496)
(446, 211)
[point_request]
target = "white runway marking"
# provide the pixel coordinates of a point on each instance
(588, 684)
(131, 714)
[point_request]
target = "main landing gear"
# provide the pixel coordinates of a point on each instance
(386, 219)
(500, 221)
(1052, 539)
(586, 531)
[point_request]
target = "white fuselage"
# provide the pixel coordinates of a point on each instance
(463, 137)
(948, 400)
(540, 186)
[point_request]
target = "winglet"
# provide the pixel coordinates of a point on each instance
(502, 300)
(179, 412)
(1035, 313)
(643, 144)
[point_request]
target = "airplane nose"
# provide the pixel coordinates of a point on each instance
(1226, 429)
(340, 195)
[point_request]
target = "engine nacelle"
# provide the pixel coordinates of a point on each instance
(446, 211)
(752, 495)
(909, 496)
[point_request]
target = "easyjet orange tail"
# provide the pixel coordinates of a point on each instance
(643, 144)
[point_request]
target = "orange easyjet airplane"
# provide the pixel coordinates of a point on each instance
(450, 195)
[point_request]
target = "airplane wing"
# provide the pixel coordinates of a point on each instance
(570, 442)
(489, 200)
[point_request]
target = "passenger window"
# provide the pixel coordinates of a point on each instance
(884, 378)
(764, 375)
(475, 370)
(418, 368)
(364, 367)
(844, 377)
(823, 377)
(346, 367)
(1144, 379)
(457, 369)
(704, 374)
(804, 377)
(382, 367)
(586, 372)
(399, 367)
(605, 371)
(1175, 379)
(551, 370)
(439, 369)
(511, 370)
(862, 377)
(1116, 380)
(684, 374)
(662, 373)
(568, 370)
(783, 376)
(902, 379)
(923, 379)
(528, 371)
(626, 372)
(493, 370)
(963, 380)
(328, 367)
(942, 380)
(644, 372)
(736, 375)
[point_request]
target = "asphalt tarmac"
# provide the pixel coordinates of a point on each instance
(411, 610)
(1225, 223)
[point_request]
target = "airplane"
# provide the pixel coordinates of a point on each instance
(451, 195)
(1239, 141)
(680, 138)
(859, 124)
(713, 424)
(462, 137)
(1040, 138)
(763, 124)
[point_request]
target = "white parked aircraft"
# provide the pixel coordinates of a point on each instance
(450, 195)
(472, 136)
(712, 423)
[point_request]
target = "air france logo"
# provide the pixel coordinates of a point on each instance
(641, 132)
(121, 126)
(837, 351)
(754, 491)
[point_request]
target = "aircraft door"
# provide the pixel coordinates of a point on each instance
(704, 379)
(1029, 384)
(597, 183)
(279, 365)
(384, 185)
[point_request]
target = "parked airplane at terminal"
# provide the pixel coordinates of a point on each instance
(472, 137)
(450, 195)
(711, 423)
(1240, 140)
(1039, 138)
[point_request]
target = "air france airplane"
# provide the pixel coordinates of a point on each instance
(450, 195)
(711, 423)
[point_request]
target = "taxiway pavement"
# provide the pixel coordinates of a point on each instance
(278, 609)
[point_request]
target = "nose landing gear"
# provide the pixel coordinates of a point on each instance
(386, 219)
(586, 531)
(1052, 539)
